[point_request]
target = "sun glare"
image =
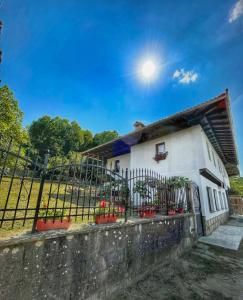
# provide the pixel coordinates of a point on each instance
(148, 70)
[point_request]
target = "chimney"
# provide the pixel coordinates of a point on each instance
(138, 125)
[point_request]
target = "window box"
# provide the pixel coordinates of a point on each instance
(43, 225)
(147, 211)
(160, 156)
(171, 212)
(104, 219)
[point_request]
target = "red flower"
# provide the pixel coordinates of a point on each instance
(103, 203)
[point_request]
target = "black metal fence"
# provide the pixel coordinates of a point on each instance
(80, 189)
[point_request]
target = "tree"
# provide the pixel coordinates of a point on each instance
(104, 137)
(10, 117)
(88, 140)
(57, 135)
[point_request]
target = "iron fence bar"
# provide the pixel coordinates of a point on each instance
(127, 196)
(11, 184)
(57, 194)
(20, 189)
(5, 160)
(39, 198)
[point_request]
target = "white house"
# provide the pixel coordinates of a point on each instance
(197, 143)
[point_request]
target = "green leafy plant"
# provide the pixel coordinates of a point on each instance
(57, 214)
(141, 187)
(177, 182)
(105, 208)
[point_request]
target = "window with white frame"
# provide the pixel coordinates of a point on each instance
(210, 199)
(214, 161)
(225, 200)
(216, 200)
(221, 200)
(219, 164)
(209, 154)
(160, 148)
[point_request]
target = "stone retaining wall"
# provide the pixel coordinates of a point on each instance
(90, 264)
(213, 223)
(236, 205)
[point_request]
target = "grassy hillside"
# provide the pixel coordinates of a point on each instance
(237, 185)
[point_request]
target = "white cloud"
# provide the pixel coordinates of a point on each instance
(236, 11)
(185, 77)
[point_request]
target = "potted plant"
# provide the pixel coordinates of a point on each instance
(51, 219)
(171, 210)
(160, 156)
(147, 211)
(105, 213)
(180, 208)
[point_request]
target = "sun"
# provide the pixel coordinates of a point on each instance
(148, 70)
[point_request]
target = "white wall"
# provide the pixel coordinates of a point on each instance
(220, 172)
(187, 153)
(124, 162)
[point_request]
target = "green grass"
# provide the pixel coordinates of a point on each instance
(236, 185)
(49, 194)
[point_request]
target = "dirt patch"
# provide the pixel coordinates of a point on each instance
(206, 272)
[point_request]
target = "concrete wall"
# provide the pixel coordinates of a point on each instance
(90, 264)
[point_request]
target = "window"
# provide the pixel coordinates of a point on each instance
(215, 194)
(209, 154)
(160, 148)
(225, 201)
(214, 159)
(220, 170)
(210, 199)
(221, 200)
(117, 166)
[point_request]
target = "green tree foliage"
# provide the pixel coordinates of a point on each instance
(236, 184)
(57, 135)
(104, 137)
(10, 117)
(88, 140)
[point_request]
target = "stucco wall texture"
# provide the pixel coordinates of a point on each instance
(93, 263)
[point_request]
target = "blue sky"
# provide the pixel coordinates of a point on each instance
(79, 59)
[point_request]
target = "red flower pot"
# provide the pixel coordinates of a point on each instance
(147, 214)
(41, 225)
(103, 219)
(180, 210)
(171, 212)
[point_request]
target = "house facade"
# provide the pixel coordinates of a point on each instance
(197, 143)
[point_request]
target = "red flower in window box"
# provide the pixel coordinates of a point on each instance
(160, 156)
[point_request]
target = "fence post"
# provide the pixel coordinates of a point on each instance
(127, 194)
(166, 197)
(43, 176)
